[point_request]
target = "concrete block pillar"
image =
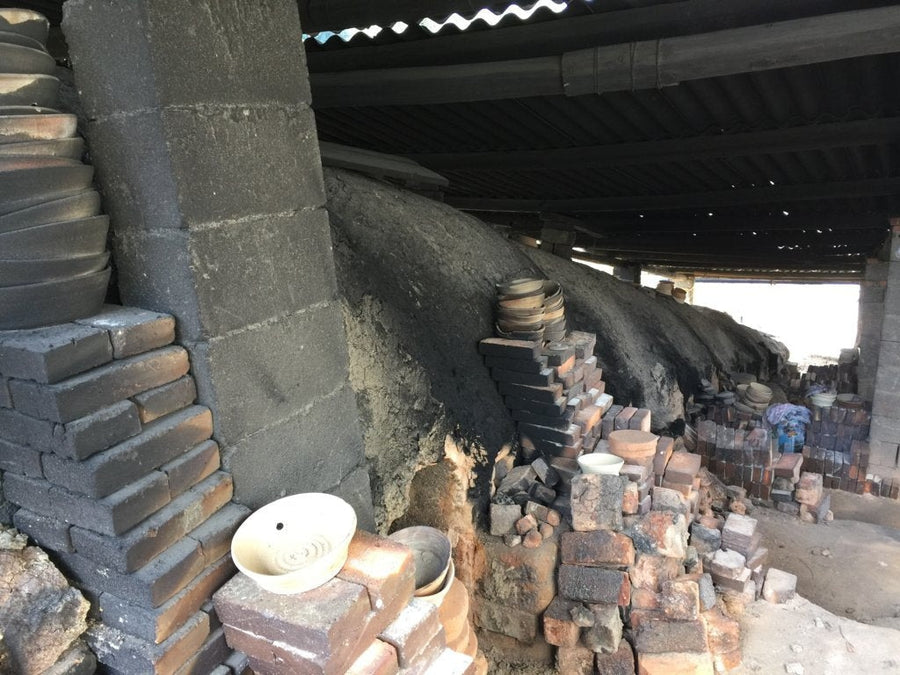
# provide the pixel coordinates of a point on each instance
(205, 146)
(871, 315)
(884, 436)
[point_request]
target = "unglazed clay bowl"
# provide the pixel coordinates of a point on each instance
(632, 445)
(431, 556)
(296, 543)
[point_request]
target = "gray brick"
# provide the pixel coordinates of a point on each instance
(293, 452)
(214, 536)
(103, 386)
(133, 331)
(151, 536)
(20, 459)
(155, 625)
(29, 493)
(263, 376)
(149, 586)
(113, 469)
(129, 654)
(224, 61)
(209, 656)
(234, 290)
(155, 403)
(25, 430)
(192, 467)
(47, 532)
(98, 431)
(52, 354)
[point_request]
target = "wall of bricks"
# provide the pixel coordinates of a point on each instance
(869, 324)
(108, 464)
(205, 146)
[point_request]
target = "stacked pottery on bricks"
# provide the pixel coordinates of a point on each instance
(53, 262)
(531, 309)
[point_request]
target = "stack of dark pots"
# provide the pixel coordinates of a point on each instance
(53, 259)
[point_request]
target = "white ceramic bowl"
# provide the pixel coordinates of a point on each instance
(296, 543)
(601, 462)
(431, 556)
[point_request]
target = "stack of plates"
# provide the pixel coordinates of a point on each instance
(754, 398)
(554, 315)
(824, 399)
(53, 262)
(520, 309)
(853, 401)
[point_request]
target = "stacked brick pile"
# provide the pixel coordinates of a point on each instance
(109, 466)
(739, 565)
(628, 580)
(737, 456)
(835, 428)
(364, 621)
(842, 378)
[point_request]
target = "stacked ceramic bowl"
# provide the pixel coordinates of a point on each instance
(554, 315)
(520, 309)
(754, 398)
(823, 399)
(53, 259)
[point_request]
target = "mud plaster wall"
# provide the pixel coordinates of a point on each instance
(417, 284)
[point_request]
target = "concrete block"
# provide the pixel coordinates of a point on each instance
(293, 450)
(5, 397)
(233, 290)
(136, 547)
(150, 586)
(597, 501)
(160, 401)
(129, 654)
(606, 633)
(157, 624)
(356, 490)
(133, 331)
(111, 470)
(184, 75)
(20, 459)
(519, 578)
(48, 355)
(249, 393)
(86, 393)
(780, 586)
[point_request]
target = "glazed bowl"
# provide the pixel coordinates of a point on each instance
(601, 462)
(296, 543)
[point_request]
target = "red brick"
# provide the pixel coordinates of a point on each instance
(788, 466)
(649, 571)
(663, 636)
(723, 633)
(680, 599)
(379, 659)
(665, 446)
(159, 401)
(525, 524)
(450, 662)
(624, 418)
(809, 489)
(631, 499)
(575, 661)
(640, 420)
(597, 502)
(661, 533)
(559, 628)
(620, 662)
(606, 633)
(588, 418)
(384, 567)
(517, 577)
(594, 585)
(415, 631)
(597, 548)
(326, 621)
(675, 663)
(682, 467)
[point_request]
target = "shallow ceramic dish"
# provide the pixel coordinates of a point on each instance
(296, 543)
(521, 286)
(69, 148)
(535, 301)
(73, 238)
(36, 124)
(18, 59)
(35, 305)
(38, 271)
(11, 38)
(28, 89)
(601, 462)
(30, 187)
(25, 22)
(84, 204)
(431, 556)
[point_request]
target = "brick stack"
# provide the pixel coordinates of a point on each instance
(633, 580)
(835, 428)
(737, 456)
(363, 621)
(110, 467)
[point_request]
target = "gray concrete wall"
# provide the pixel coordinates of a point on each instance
(205, 145)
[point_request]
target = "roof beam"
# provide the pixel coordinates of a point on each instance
(768, 194)
(702, 223)
(565, 33)
(647, 64)
(793, 139)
